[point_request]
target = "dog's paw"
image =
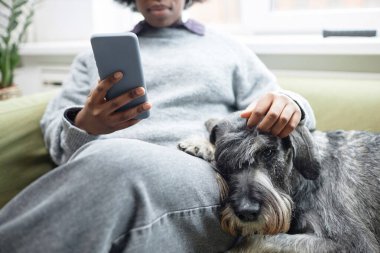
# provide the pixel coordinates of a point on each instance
(199, 147)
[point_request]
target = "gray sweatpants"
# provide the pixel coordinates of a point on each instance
(118, 196)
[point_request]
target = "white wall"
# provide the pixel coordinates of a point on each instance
(62, 20)
(75, 20)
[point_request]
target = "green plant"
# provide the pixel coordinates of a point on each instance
(15, 18)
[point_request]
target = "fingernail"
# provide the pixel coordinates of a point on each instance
(118, 75)
(139, 91)
(146, 106)
(246, 113)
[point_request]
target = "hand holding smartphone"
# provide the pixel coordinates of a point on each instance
(119, 100)
(120, 52)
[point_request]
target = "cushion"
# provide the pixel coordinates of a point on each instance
(340, 103)
(23, 156)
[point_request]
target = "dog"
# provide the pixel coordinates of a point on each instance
(308, 192)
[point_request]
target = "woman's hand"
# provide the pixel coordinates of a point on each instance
(274, 113)
(98, 115)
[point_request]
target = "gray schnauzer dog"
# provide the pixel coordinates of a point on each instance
(309, 192)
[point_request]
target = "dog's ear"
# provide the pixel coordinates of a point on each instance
(212, 127)
(306, 158)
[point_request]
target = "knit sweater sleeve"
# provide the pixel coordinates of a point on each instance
(61, 137)
(252, 79)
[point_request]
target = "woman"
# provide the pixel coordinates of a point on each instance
(121, 185)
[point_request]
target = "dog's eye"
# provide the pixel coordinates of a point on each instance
(245, 164)
(267, 153)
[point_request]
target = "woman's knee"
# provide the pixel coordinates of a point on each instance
(154, 172)
(111, 153)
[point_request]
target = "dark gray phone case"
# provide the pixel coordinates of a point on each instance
(120, 52)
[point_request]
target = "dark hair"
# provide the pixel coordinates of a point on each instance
(131, 3)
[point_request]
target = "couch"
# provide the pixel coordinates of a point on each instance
(339, 103)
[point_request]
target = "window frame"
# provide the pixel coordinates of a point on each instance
(258, 18)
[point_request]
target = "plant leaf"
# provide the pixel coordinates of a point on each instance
(12, 26)
(14, 56)
(22, 33)
(19, 3)
(27, 22)
(12, 23)
(16, 14)
(5, 4)
(6, 71)
(5, 39)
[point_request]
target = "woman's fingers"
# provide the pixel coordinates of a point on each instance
(124, 99)
(100, 91)
(275, 113)
(118, 117)
(283, 120)
(292, 124)
(272, 115)
(260, 110)
(99, 117)
(248, 111)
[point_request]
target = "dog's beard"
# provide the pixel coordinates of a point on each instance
(275, 215)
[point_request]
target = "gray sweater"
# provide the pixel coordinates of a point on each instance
(189, 79)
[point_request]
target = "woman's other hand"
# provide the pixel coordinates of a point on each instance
(274, 113)
(99, 116)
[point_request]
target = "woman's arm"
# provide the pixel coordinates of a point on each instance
(77, 116)
(61, 137)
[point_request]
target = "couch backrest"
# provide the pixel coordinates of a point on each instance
(340, 103)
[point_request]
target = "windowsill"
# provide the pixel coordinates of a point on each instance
(54, 48)
(268, 45)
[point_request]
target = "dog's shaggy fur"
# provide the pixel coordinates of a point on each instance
(309, 192)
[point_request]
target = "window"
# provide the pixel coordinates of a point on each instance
(323, 4)
(73, 20)
(225, 12)
(236, 16)
(309, 16)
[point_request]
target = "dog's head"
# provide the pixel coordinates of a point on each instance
(258, 169)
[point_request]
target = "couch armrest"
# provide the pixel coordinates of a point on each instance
(23, 157)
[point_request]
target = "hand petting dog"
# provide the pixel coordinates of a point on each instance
(274, 113)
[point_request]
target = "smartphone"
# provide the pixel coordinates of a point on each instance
(120, 52)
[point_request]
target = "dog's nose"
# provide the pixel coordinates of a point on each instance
(248, 211)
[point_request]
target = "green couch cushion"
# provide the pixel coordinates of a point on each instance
(340, 103)
(23, 156)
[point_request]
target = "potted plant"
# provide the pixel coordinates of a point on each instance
(15, 18)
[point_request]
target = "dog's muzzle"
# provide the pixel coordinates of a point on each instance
(271, 214)
(247, 210)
